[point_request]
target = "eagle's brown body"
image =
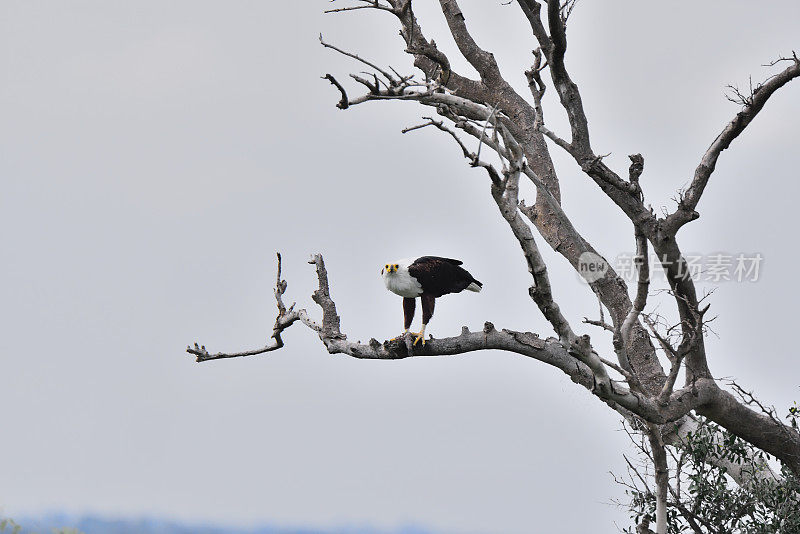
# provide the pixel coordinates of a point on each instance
(428, 277)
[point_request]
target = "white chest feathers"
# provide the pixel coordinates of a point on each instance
(401, 283)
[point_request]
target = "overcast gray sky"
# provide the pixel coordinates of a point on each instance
(155, 155)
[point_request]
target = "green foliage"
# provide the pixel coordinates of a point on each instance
(704, 498)
(794, 415)
(8, 525)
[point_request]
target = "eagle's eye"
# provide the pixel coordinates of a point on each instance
(386, 266)
(396, 266)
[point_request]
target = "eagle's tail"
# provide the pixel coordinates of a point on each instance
(475, 286)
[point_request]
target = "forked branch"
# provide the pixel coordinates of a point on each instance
(285, 319)
(752, 104)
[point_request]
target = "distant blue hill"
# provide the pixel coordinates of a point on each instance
(101, 525)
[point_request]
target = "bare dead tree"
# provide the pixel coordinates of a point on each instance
(513, 129)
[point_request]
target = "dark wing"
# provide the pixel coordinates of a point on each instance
(425, 259)
(440, 276)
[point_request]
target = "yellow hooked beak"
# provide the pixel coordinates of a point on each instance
(390, 268)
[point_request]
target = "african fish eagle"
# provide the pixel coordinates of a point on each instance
(427, 277)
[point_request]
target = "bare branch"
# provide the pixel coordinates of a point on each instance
(669, 383)
(535, 82)
(428, 58)
(565, 87)
(602, 324)
(285, 319)
(555, 138)
(616, 367)
(507, 201)
(675, 357)
(625, 194)
(752, 106)
(525, 169)
(643, 285)
(344, 103)
(532, 11)
(385, 74)
(370, 4)
(489, 120)
(632, 469)
(472, 157)
(374, 88)
(203, 355)
(659, 457)
(634, 172)
(481, 60)
(623, 336)
(566, 10)
(781, 59)
(537, 88)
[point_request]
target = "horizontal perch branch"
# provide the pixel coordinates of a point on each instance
(550, 351)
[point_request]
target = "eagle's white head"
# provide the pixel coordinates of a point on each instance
(397, 279)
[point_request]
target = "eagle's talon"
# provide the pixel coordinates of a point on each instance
(420, 336)
(404, 334)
